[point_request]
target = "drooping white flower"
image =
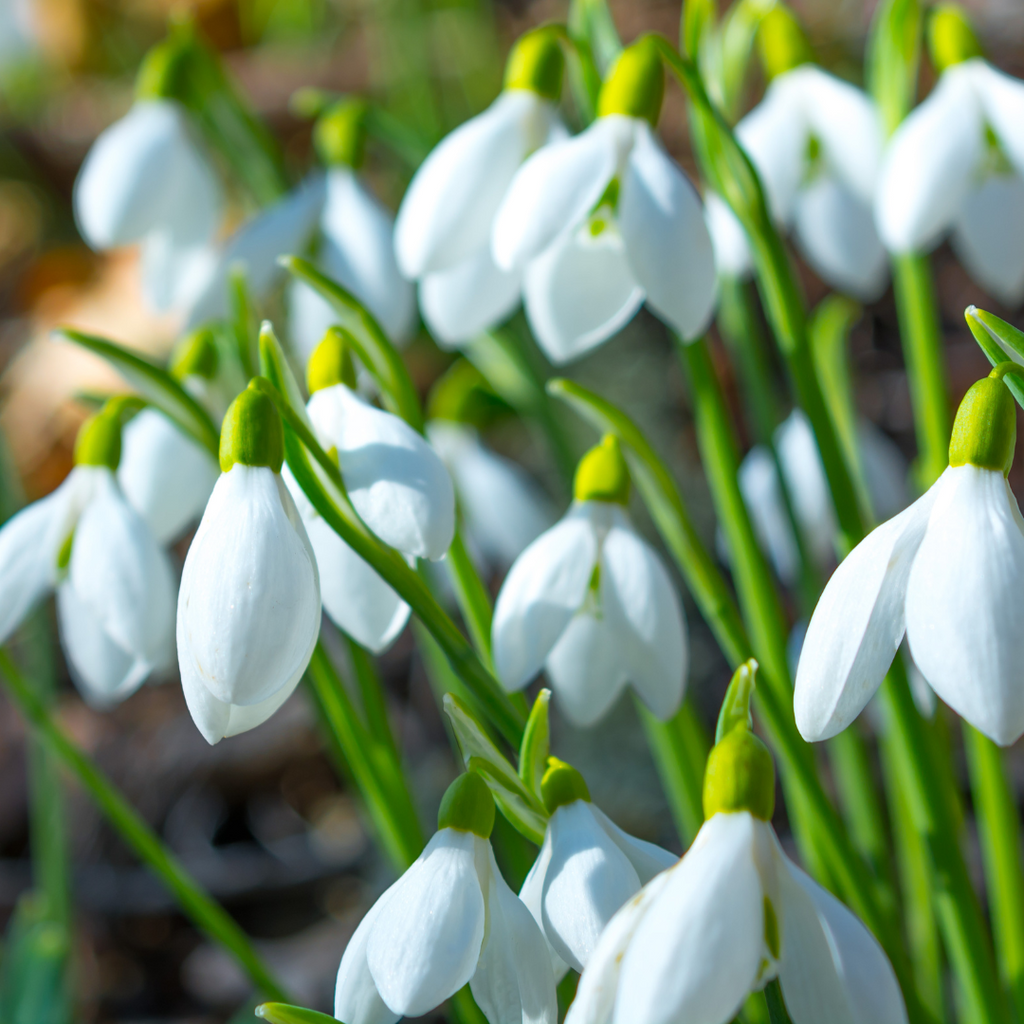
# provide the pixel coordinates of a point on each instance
(443, 230)
(502, 508)
(947, 572)
(449, 920)
(249, 604)
(816, 143)
(115, 586)
(604, 221)
(884, 471)
(147, 179)
(591, 603)
(586, 869)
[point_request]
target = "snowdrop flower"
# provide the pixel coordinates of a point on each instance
(148, 180)
(397, 484)
(956, 165)
(502, 508)
(587, 868)
(601, 222)
(443, 230)
(947, 571)
(356, 246)
(816, 142)
(115, 586)
(249, 604)
(733, 915)
(449, 920)
(590, 602)
(884, 471)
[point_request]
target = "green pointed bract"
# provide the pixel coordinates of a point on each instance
(467, 806)
(252, 433)
(99, 438)
(331, 362)
(635, 86)
(740, 774)
(562, 785)
(537, 63)
(782, 42)
(339, 134)
(602, 474)
(985, 428)
(951, 38)
(195, 355)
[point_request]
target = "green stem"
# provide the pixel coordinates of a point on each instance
(472, 597)
(921, 335)
(371, 693)
(995, 808)
(777, 1012)
(204, 912)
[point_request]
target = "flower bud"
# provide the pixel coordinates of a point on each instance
(252, 432)
(740, 775)
(331, 363)
(635, 85)
(195, 355)
(536, 63)
(99, 438)
(602, 474)
(562, 785)
(951, 39)
(339, 134)
(467, 806)
(782, 42)
(985, 429)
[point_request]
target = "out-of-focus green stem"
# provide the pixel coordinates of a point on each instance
(995, 808)
(471, 594)
(205, 912)
(371, 693)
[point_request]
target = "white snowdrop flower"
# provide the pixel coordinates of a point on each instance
(249, 604)
(147, 179)
(502, 509)
(115, 586)
(604, 221)
(449, 920)
(956, 165)
(586, 869)
(443, 230)
(590, 602)
(733, 915)
(885, 473)
(948, 572)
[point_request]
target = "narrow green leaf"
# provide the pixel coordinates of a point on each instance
(536, 745)
(282, 1013)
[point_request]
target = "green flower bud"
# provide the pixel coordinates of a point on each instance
(985, 428)
(602, 474)
(331, 362)
(782, 42)
(561, 785)
(951, 39)
(339, 134)
(195, 355)
(740, 774)
(537, 63)
(635, 86)
(252, 432)
(99, 438)
(468, 806)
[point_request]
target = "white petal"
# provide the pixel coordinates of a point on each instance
(729, 240)
(426, 941)
(356, 999)
(580, 292)
(695, 955)
(448, 209)
(556, 188)
(965, 621)
(667, 241)
(836, 233)
(759, 485)
(832, 968)
(397, 483)
(989, 236)
(175, 272)
(857, 625)
(513, 982)
(165, 475)
(532, 897)
(1002, 99)
(928, 166)
(541, 593)
(473, 296)
(249, 606)
(647, 859)
(808, 485)
(642, 608)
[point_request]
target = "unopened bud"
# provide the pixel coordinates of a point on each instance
(99, 438)
(340, 135)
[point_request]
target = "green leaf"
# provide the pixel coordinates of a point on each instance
(592, 21)
(1000, 342)
(156, 385)
(282, 1013)
(536, 745)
